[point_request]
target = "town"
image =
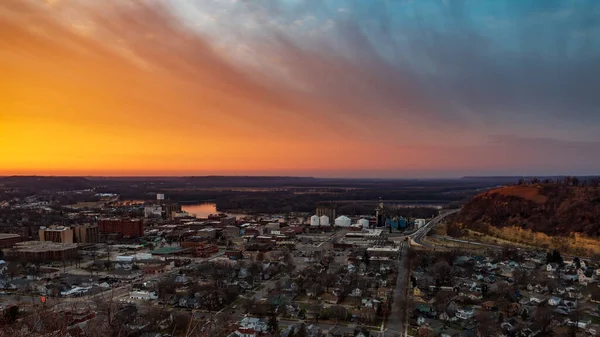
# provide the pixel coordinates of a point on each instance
(148, 268)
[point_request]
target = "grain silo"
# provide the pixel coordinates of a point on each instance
(343, 221)
(364, 222)
(314, 220)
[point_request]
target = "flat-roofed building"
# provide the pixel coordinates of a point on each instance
(125, 227)
(8, 240)
(86, 233)
(58, 234)
(41, 251)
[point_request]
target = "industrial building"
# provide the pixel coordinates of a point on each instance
(328, 211)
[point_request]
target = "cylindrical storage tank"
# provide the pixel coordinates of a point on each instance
(363, 222)
(314, 220)
(343, 221)
(324, 220)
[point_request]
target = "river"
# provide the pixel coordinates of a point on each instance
(203, 210)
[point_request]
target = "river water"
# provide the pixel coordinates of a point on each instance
(203, 210)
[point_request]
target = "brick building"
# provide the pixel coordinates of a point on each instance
(125, 227)
(9, 240)
(206, 250)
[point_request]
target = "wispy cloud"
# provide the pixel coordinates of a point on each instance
(373, 79)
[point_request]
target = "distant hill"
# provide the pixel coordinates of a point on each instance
(40, 183)
(551, 208)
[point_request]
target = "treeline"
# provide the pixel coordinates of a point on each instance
(562, 181)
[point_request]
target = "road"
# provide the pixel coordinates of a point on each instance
(420, 234)
(397, 326)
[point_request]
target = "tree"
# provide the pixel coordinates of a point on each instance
(544, 316)
(486, 323)
(302, 331)
(425, 332)
(366, 258)
(442, 271)
(484, 290)
(260, 257)
(273, 325)
(339, 312)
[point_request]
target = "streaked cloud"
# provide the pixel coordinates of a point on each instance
(213, 86)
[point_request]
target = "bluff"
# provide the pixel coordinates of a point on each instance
(552, 208)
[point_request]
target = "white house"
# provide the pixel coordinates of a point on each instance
(356, 292)
(536, 299)
(554, 301)
(143, 295)
(466, 313)
(253, 323)
(551, 267)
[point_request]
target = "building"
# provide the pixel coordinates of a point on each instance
(86, 234)
(170, 208)
(58, 234)
(9, 240)
(41, 251)
(343, 221)
(152, 211)
(328, 211)
(125, 227)
(231, 231)
(208, 233)
(380, 214)
(206, 250)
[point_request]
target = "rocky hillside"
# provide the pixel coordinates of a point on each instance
(551, 208)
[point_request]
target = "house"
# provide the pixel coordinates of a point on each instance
(253, 323)
(489, 305)
(244, 332)
(143, 295)
(417, 292)
(554, 301)
(585, 277)
(383, 292)
(188, 302)
(536, 299)
(464, 313)
(290, 286)
(356, 292)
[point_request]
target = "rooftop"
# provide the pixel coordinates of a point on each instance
(167, 251)
(8, 236)
(41, 246)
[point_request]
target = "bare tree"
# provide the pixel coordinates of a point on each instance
(544, 316)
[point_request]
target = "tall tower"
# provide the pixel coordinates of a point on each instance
(380, 214)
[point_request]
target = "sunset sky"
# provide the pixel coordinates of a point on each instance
(339, 88)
